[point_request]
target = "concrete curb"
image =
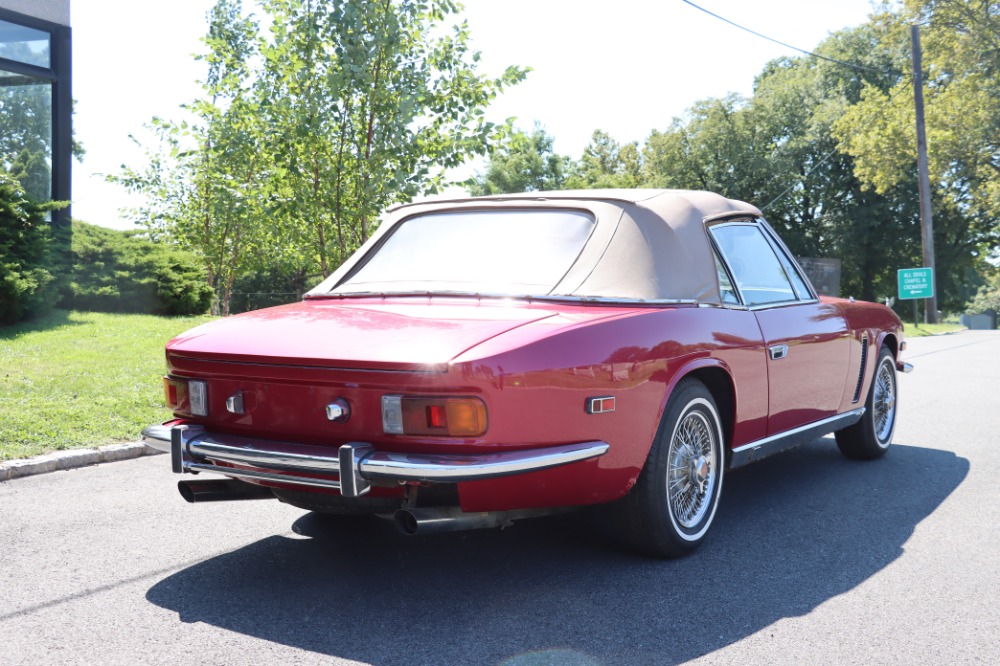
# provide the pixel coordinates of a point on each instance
(61, 460)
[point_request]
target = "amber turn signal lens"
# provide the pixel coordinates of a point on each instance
(442, 417)
(175, 393)
(186, 396)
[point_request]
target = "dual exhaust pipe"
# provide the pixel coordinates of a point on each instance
(429, 520)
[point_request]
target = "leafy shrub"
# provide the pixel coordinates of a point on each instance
(988, 297)
(269, 287)
(25, 254)
(119, 271)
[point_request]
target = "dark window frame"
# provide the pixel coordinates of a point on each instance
(60, 76)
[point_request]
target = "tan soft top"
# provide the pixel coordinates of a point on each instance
(648, 245)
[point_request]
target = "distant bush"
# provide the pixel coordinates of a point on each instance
(988, 297)
(26, 274)
(266, 288)
(119, 271)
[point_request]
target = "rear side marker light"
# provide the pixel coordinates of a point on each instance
(601, 405)
(443, 417)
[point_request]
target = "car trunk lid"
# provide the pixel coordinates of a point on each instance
(376, 334)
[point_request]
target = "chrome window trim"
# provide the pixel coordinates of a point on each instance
(777, 246)
(781, 247)
(781, 304)
(555, 298)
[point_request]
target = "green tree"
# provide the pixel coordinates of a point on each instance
(606, 164)
(373, 102)
(525, 163)
(778, 151)
(310, 129)
(205, 183)
(988, 296)
(26, 275)
(961, 55)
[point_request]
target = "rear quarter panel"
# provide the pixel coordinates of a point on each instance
(537, 383)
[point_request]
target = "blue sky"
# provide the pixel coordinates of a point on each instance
(626, 67)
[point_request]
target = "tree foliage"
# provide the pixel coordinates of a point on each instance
(961, 56)
(524, 163)
(827, 149)
(308, 129)
(26, 274)
(988, 296)
(605, 164)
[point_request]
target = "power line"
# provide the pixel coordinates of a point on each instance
(860, 68)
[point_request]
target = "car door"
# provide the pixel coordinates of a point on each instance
(807, 341)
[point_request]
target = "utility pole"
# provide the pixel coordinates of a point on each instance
(926, 220)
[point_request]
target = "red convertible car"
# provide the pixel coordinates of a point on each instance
(487, 359)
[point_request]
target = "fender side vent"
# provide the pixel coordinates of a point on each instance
(864, 365)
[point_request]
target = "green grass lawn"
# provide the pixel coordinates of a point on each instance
(918, 331)
(82, 379)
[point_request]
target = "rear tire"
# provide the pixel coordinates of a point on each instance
(673, 503)
(870, 437)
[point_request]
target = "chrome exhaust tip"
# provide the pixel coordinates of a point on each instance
(435, 520)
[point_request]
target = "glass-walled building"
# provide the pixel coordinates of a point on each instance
(36, 97)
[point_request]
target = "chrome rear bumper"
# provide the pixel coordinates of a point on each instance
(356, 464)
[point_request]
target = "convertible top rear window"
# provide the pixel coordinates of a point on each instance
(500, 252)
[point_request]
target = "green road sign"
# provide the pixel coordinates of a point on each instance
(915, 283)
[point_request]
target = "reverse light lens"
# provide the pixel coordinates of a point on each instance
(186, 396)
(198, 395)
(392, 414)
(443, 417)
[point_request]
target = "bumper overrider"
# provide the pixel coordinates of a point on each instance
(356, 465)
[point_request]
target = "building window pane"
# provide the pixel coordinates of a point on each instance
(23, 44)
(26, 132)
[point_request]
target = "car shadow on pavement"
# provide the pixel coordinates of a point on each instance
(792, 532)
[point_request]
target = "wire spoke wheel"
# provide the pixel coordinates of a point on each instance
(672, 506)
(884, 403)
(691, 476)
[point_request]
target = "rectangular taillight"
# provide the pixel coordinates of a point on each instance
(186, 396)
(437, 416)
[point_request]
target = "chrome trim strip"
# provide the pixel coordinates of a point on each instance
(276, 455)
(763, 448)
(452, 468)
(904, 367)
(358, 461)
(864, 367)
(262, 476)
(555, 298)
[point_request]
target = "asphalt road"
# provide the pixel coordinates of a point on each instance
(813, 559)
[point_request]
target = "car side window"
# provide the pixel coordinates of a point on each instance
(800, 285)
(755, 267)
(726, 289)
